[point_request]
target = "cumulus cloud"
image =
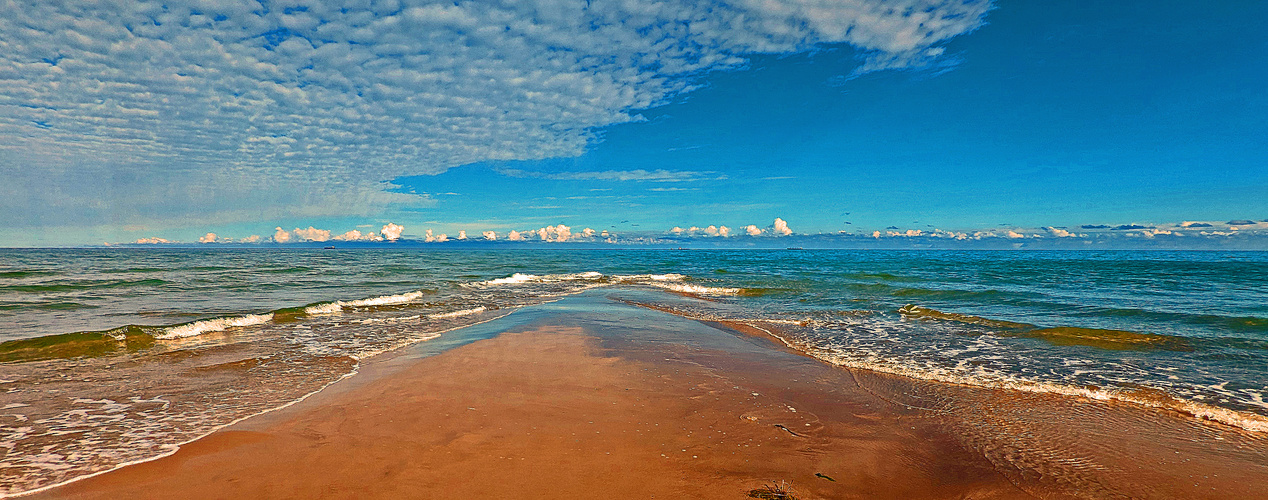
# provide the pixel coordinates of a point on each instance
(304, 110)
(781, 228)
(429, 237)
(462, 235)
(710, 231)
(356, 235)
(515, 236)
(352, 235)
(281, 235)
(392, 232)
(1062, 233)
(153, 241)
(207, 238)
(490, 235)
(558, 234)
(311, 234)
(752, 230)
(255, 238)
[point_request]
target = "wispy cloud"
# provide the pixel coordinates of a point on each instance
(659, 175)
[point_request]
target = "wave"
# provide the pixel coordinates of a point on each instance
(669, 281)
(918, 312)
(698, 289)
(213, 325)
(82, 285)
(26, 274)
(1117, 340)
(522, 278)
(1248, 324)
(79, 344)
(383, 300)
(64, 306)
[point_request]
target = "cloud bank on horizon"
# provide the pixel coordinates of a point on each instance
(1231, 234)
(186, 113)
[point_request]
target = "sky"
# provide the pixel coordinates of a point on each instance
(961, 121)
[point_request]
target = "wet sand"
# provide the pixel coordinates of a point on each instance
(589, 398)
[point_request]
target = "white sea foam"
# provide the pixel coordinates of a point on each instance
(385, 300)
(522, 278)
(669, 281)
(698, 289)
(400, 319)
(327, 308)
(455, 314)
(213, 325)
(513, 279)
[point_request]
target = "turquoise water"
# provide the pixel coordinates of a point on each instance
(166, 345)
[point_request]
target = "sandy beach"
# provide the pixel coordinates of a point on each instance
(592, 398)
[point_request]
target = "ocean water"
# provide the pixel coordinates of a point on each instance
(112, 356)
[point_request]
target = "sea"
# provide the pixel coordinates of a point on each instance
(114, 356)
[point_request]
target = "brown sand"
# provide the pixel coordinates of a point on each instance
(558, 411)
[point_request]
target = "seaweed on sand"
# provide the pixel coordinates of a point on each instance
(781, 491)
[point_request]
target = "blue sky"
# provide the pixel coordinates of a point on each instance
(974, 120)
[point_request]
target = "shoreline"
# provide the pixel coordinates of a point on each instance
(687, 355)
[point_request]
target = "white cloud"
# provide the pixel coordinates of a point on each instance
(207, 238)
(255, 238)
(490, 235)
(392, 232)
(515, 236)
(1062, 233)
(153, 241)
(217, 111)
(781, 227)
(752, 230)
(557, 234)
(658, 175)
(711, 230)
(281, 236)
(356, 235)
(311, 234)
(462, 235)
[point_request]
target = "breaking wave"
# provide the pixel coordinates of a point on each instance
(213, 325)
(384, 300)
